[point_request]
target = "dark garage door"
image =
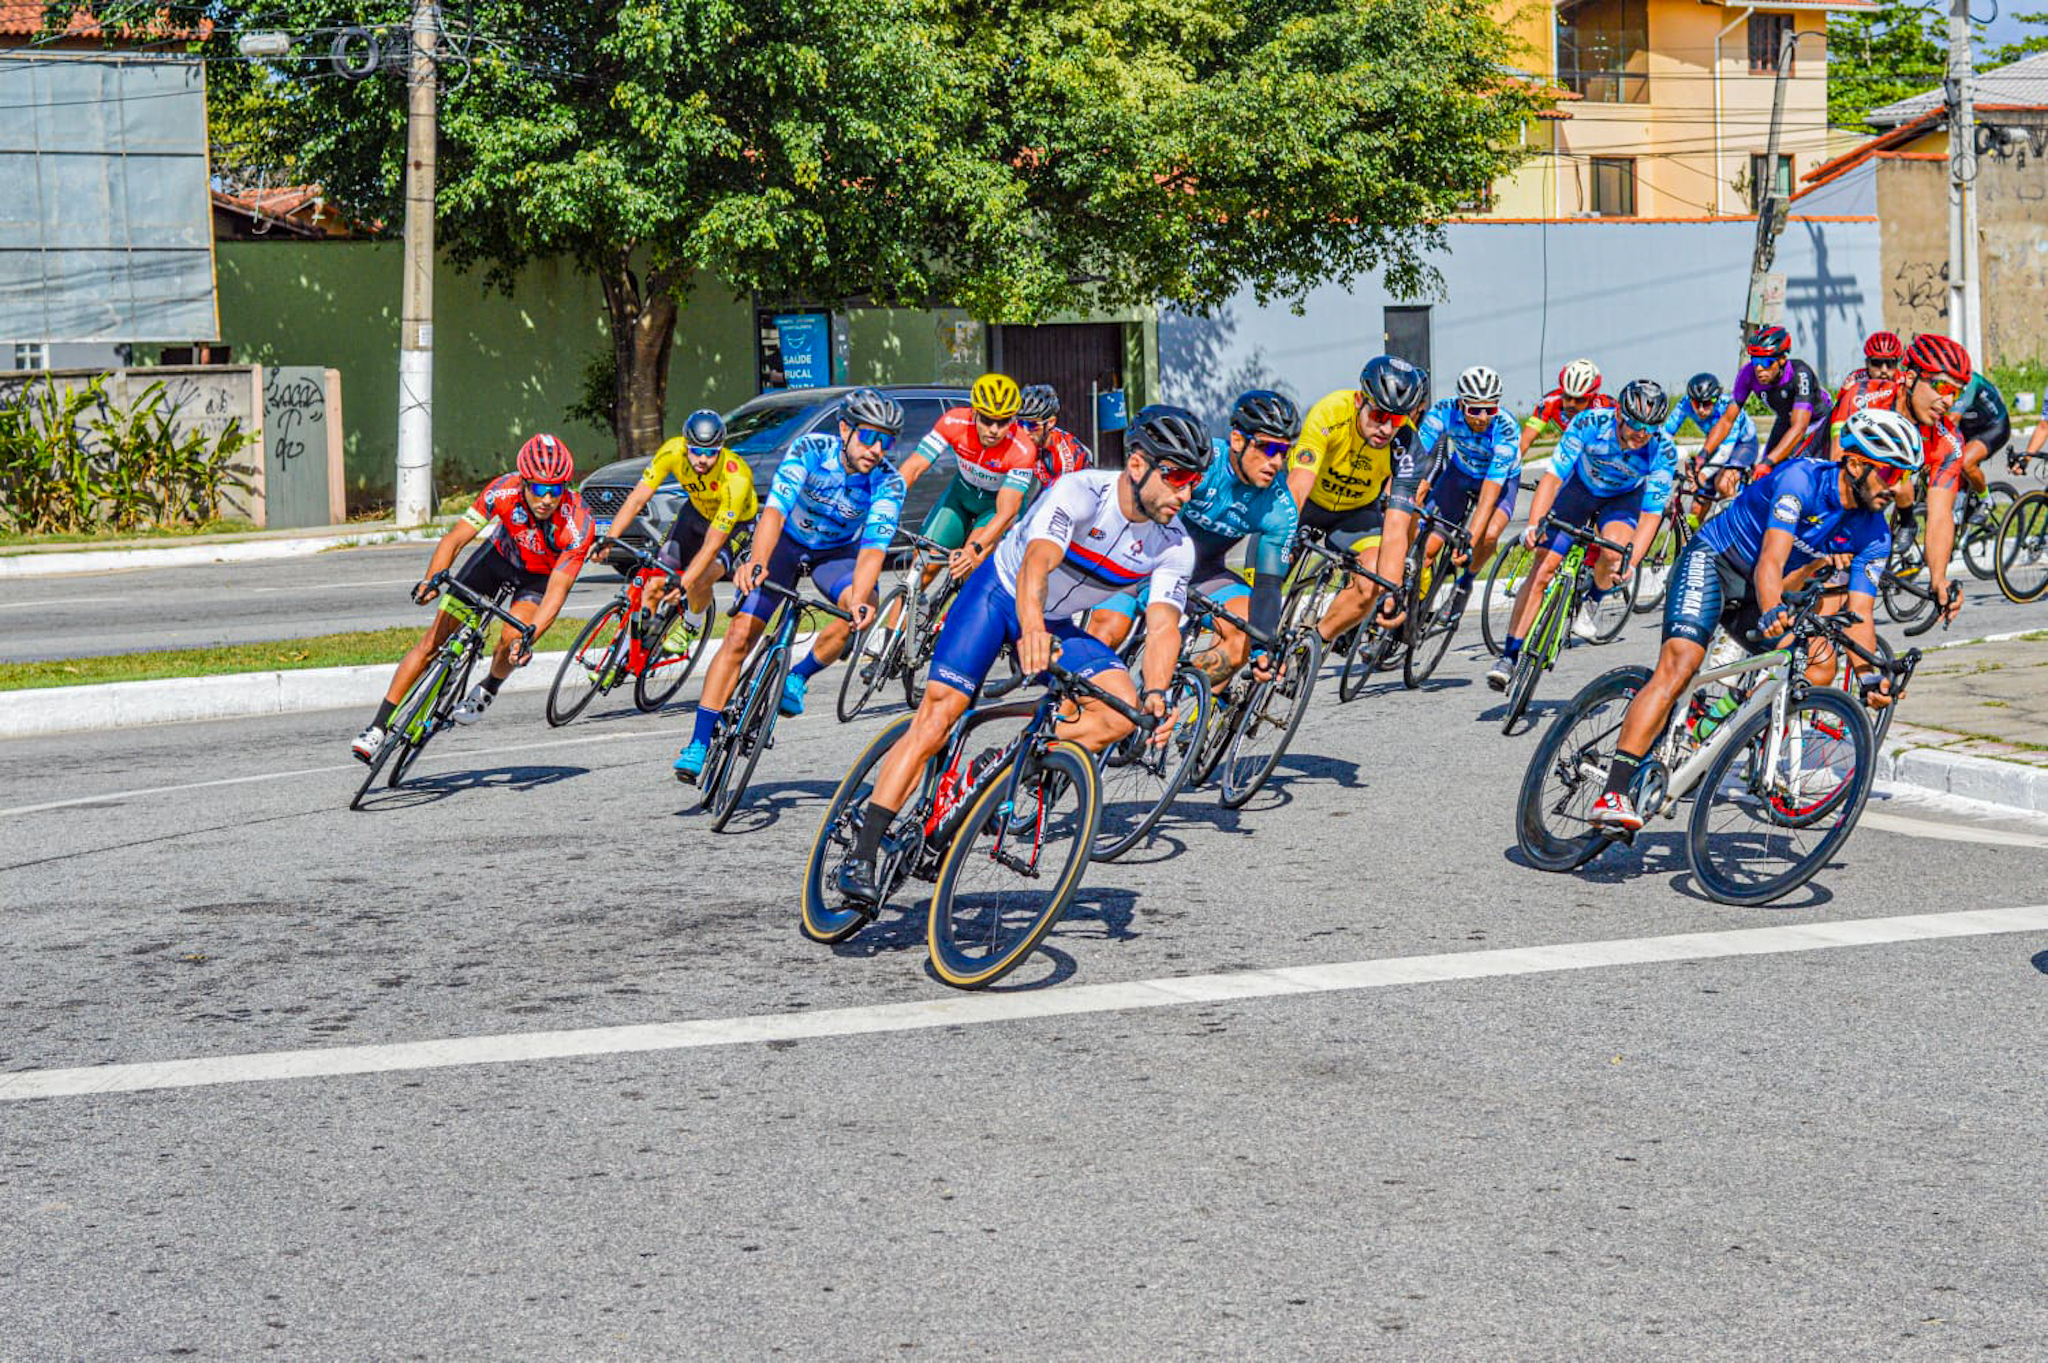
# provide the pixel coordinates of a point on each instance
(1071, 359)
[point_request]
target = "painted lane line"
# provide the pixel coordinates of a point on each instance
(60, 601)
(959, 1010)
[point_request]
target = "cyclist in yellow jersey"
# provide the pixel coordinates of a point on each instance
(713, 525)
(1354, 474)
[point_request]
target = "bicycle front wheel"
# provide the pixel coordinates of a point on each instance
(442, 692)
(1551, 622)
(1568, 771)
(872, 656)
(1140, 778)
(2022, 557)
(823, 919)
(1979, 539)
(1767, 816)
(756, 730)
(590, 666)
(1014, 865)
(1269, 719)
(410, 717)
(1428, 628)
(1367, 654)
(1511, 568)
(1652, 577)
(664, 671)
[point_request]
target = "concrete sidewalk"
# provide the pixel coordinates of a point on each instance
(112, 555)
(1975, 724)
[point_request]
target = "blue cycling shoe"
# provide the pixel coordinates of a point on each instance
(793, 694)
(690, 763)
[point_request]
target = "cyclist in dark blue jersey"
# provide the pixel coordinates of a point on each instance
(1735, 572)
(1476, 481)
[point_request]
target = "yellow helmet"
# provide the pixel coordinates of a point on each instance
(996, 395)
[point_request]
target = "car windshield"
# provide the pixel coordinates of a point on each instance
(759, 428)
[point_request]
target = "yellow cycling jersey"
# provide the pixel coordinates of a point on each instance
(1349, 472)
(724, 496)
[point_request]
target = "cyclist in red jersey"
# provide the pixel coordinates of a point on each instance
(1060, 452)
(1578, 390)
(543, 534)
(991, 475)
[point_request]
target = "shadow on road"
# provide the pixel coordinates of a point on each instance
(427, 790)
(766, 803)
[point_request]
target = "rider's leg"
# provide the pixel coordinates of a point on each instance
(1097, 726)
(834, 580)
(1524, 613)
(1651, 708)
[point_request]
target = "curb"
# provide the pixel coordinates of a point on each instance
(68, 562)
(2011, 785)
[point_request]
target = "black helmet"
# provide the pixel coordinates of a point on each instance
(1040, 403)
(1643, 402)
(704, 429)
(1703, 389)
(866, 407)
(1265, 412)
(1394, 385)
(1171, 435)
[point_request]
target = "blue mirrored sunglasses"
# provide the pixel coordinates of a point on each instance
(1272, 449)
(874, 439)
(704, 451)
(1642, 427)
(1765, 361)
(547, 489)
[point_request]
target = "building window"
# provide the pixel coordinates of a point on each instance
(1766, 40)
(1757, 180)
(31, 355)
(1603, 49)
(1613, 187)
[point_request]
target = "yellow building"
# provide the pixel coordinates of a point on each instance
(1667, 109)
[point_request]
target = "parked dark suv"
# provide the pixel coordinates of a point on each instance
(761, 431)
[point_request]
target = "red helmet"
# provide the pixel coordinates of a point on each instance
(1768, 343)
(545, 459)
(1883, 345)
(1933, 355)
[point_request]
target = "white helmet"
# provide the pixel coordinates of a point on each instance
(1884, 437)
(1579, 378)
(1479, 386)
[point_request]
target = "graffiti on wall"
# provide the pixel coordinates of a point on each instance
(1919, 291)
(294, 413)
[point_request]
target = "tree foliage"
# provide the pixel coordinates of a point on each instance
(1878, 56)
(2028, 45)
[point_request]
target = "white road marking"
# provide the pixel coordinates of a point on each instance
(61, 601)
(338, 586)
(961, 1009)
(1949, 832)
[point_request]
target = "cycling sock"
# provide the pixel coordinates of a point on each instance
(1464, 582)
(873, 826)
(808, 668)
(707, 720)
(492, 683)
(384, 709)
(1512, 649)
(1598, 592)
(1621, 772)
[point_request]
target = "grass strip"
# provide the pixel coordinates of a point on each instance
(224, 526)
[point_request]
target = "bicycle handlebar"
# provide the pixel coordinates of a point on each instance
(1584, 536)
(802, 602)
(607, 543)
(923, 545)
(446, 583)
(1346, 560)
(1201, 603)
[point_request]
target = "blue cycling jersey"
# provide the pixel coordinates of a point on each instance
(1493, 455)
(1591, 449)
(825, 506)
(1743, 432)
(1225, 509)
(1804, 497)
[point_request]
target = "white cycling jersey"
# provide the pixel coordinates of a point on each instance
(1104, 553)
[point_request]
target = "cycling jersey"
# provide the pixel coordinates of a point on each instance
(1223, 511)
(1980, 415)
(562, 542)
(1941, 444)
(724, 495)
(985, 468)
(1591, 452)
(1103, 553)
(1493, 455)
(1742, 432)
(1349, 472)
(1063, 454)
(1859, 393)
(1804, 498)
(1550, 411)
(827, 506)
(1798, 389)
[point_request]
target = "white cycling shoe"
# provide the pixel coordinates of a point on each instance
(473, 705)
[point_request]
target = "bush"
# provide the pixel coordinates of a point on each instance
(70, 462)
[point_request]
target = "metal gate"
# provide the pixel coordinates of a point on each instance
(1079, 360)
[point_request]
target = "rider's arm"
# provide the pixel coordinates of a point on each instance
(642, 492)
(767, 534)
(1165, 600)
(1795, 434)
(1009, 505)
(559, 582)
(1769, 580)
(1545, 498)
(2039, 439)
(1301, 468)
(1267, 557)
(459, 534)
(923, 457)
(1722, 425)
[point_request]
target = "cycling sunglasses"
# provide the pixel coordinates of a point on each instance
(1272, 449)
(997, 423)
(1176, 477)
(1948, 388)
(1479, 409)
(875, 440)
(1884, 366)
(1379, 414)
(547, 489)
(1641, 427)
(705, 451)
(1887, 476)
(1043, 423)
(1764, 361)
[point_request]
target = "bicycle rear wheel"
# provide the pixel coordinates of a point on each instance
(1140, 778)
(873, 655)
(1612, 611)
(753, 734)
(1652, 577)
(589, 668)
(1367, 654)
(1763, 824)
(663, 673)
(822, 919)
(1014, 865)
(2022, 557)
(1428, 630)
(1568, 771)
(1511, 567)
(1270, 716)
(1979, 538)
(1538, 649)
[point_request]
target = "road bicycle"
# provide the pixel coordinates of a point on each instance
(429, 704)
(1254, 721)
(1979, 519)
(1777, 783)
(1681, 521)
(628, 639)
(1431, 595)
(2020, 558)
(1003, 836)
(746, 726)
(897, 645)
(1366, 647)
(1572, 583)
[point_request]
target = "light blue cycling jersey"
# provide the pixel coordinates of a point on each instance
(1743, 432)
(1493, 455)
(1225, 509)
(1591, 449)
(827, 507)
(1804, 498)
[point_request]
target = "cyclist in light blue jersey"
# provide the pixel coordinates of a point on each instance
(831, 511)
(1479, 476)
(1612, 472)
(1241, 495)
(1703, 405)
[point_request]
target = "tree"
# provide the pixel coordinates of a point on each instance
(1879, 56)
(2027, 46)
(1016, 157)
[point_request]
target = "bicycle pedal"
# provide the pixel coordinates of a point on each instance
(1625, 836)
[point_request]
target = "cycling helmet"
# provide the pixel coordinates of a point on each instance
(1394, 385)
(1883, 437)
(1768, 343)
(1479, 386)
(1264, 412)
(1704, 390)
(1883, 345)
(1643, 402)
(545, 459)
(1171, 435)
(1933, 355)
(996, 395)
(704, 429)
(867, 407)
(1580, 378)
(1039, 402)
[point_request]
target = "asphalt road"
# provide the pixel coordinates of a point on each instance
(1784, 1152)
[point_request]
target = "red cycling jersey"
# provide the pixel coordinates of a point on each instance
(563, 540)
(1063, 454)
(1861, 392)
(1550, 411)
(985, 468)
(1941, 444)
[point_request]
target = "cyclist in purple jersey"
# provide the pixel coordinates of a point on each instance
(1792, 391)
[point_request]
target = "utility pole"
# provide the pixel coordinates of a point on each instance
(415, 491)
(1965, 298)
(1770, 209)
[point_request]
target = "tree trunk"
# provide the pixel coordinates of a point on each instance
(643, 325)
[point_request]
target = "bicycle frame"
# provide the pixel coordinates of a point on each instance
(1771, 693)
